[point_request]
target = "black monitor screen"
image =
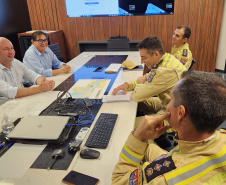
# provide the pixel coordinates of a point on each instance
(97, 8)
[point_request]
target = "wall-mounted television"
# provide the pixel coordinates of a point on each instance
(99, 8)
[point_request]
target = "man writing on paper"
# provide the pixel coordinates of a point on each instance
(41, 59)
(196, 110)
(165, 73)
(13, 72)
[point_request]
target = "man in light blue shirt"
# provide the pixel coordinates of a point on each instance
(41, 59)
(13, 72)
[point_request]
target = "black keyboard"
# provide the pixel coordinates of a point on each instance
(101, 133)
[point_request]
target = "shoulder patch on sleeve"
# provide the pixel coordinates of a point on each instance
(183, 61)
(151, 76)
(158, 168)
(185, 52)
(136, 177)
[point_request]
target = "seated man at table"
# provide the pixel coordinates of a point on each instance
(196, 110)
(41, 59)
(165, 72)
(180, 47)
(13, 72)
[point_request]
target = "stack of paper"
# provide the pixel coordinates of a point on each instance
(113, 68)
(116, 98)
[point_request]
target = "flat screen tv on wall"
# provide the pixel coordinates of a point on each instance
(103, 8)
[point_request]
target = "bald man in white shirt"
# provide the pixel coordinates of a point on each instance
(13, 72)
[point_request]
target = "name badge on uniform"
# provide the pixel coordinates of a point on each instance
(151, 76)
(185, 52)
(159, 167)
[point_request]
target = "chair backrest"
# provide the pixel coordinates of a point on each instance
(192, 64)
(56, 50)
(118, 44)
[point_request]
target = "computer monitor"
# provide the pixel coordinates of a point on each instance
(98, 8)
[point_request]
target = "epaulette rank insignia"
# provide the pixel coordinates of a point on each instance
(185, 52)
(151, 76)
(159, 167)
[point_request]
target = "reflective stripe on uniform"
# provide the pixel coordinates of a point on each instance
(180, 53)
(164, 62)
(134, 84)
(130, 156)
(167, 60)
(196, 170)
(166, 123)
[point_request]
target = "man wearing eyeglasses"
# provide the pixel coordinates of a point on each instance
(41, 59)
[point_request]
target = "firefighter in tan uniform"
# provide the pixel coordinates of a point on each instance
(165, 72)
(196, 110)
(183, 54)
(180, 47)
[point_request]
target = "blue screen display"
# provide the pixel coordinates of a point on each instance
(97, 8)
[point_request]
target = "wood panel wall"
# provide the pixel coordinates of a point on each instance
(202, 16)
(14, 18)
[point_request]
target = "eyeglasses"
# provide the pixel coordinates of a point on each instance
(40, 41)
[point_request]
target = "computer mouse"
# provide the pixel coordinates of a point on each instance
(89, 154)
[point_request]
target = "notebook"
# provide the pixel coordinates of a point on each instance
(39, 128)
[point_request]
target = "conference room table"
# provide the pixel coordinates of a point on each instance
(100, 168)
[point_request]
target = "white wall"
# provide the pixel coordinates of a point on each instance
(221, 52)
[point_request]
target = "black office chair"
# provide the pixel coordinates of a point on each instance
(56, 50)
(118, 44)
(192, 64)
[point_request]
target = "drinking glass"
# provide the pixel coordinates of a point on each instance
(7, 124)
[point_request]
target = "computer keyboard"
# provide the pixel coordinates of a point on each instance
(101, 133)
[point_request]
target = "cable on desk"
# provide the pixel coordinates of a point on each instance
(2, 144)
(59, 104)
(61, 93)
(56, 105)
(5, 147)
(68, 105)
(81, 120)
